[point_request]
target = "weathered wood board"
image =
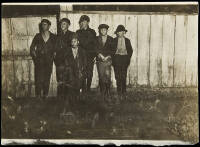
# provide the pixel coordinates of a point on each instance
(156, 47)
(168, 50)
(165, 50)
(143, 49)
(192, 51)
(8, 81)
(131, 26)
(21, 77)
(6, 37)
(180, 51)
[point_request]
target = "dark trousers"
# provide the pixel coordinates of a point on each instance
(121, 63)
(120, 75)
(89, 73)
(60, 76)
(43, 70)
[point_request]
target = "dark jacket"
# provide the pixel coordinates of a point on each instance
(128, 48)
(107, 49)
(41, 49)
(76, 68)
(63, 42)
(87, 39)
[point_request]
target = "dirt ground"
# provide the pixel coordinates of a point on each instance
(146, 114)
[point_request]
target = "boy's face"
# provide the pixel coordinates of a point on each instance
(121, 33)
(103, 31)
(45, 26)
(75, 42)
(84, 24)
(64, 26)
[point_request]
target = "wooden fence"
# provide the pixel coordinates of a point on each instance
(165, 49)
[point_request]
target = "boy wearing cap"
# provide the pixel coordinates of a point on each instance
(87, 38)
(42, 51)
(121, 59)
(62, 44)
(75, 64)
(104, 53)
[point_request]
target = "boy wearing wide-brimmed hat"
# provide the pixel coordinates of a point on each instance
(121, 58)
(104, 61)
(62, 44)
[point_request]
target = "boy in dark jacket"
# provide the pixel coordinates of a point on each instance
(104, 61)
(42, 51)
(87, 38)
(121, 59)
(62, 44)
(75, 63)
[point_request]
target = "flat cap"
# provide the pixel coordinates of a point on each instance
(65, 20)
(84, 17)
(103, 26)
(46, 21)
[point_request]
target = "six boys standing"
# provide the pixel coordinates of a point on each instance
(74, 55)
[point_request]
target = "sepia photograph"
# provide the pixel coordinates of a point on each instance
(99, 73)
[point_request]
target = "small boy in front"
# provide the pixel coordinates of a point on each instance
(76, 62)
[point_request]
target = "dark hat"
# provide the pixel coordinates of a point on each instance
(74, 36)
(84, 17)
(46, 21)
(103, 26)
(65, 20)
(120, 28)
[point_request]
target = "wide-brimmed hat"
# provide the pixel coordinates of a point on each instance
(120, 28)
(65, 20)
(83, 18)
(103, 26)
(45, 21)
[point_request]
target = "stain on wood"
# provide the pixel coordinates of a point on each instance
(156, 50)
(143, 48)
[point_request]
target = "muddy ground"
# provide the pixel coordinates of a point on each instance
(146, 114)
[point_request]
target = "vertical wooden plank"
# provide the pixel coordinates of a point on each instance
(168, 50)
(8, 75)
(131, 26)
(32, 79)
(70, 16)
(143, 49)
(6, 36)
(4, 77)
(180, 51)
(33, 25)
(21, 77)
(192, 51)
(156, 50)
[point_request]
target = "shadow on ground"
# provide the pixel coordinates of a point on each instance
(146, 114)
